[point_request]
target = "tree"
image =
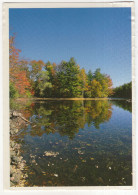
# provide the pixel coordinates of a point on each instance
(123, 91)
(51, 69)
(13, 58)
(22, 83)
(35, 68)
(98, 76)
(96, 89)
(83, 81)
(18, 70)
(90, 76)
(13, 91)
(105, 82)
(68, 79)
(43, 84)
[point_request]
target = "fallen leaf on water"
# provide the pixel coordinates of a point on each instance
(44, 173)
(56, 175)
(80, 152)
(51, 153)
(31, 173)
(92, 158)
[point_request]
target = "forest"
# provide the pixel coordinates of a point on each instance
(48, 80)
(123, 91)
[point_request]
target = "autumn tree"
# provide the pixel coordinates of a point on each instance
(83, 81)
(96, 89)
(13, 58)
(35, 69)
(18, 69)
(50, 80)
(105, 83)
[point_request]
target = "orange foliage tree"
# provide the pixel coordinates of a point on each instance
(18, 70)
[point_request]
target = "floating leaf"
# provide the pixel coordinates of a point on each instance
(92, 158)
(31, 173)
(56, 175)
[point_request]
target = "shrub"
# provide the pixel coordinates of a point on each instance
(13, 91)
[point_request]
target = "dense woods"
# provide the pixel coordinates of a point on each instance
(123, 91)
(66, 80)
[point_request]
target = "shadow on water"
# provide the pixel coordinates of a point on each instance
(77, 143)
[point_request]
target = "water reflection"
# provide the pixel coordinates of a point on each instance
(125, 104)
(92, 140)
(67, 117)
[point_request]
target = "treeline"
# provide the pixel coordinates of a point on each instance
(123, 91)
(67, 79)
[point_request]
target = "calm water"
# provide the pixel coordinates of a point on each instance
(77, 143)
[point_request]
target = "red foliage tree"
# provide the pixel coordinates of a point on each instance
(18, 69)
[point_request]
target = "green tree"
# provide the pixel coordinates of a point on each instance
(123, 91)
(13, 91)
(51, 69)
(98, 76)
(43, 84)
(90, 76)
(68, 80)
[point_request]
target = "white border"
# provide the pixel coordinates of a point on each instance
(5, 79)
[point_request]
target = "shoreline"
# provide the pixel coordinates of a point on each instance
(17, 163)
(77, 99)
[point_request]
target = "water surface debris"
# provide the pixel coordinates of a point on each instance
(51, 153)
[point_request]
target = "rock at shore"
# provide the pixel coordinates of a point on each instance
(17, 163)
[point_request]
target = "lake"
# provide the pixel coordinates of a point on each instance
(77, 143)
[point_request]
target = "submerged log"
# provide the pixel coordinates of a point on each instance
(16, 114)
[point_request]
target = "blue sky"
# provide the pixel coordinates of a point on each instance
(95, 37)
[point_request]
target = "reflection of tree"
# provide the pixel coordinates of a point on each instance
(22, 106)
(98, 112)
(67, 117)
(123, 104)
